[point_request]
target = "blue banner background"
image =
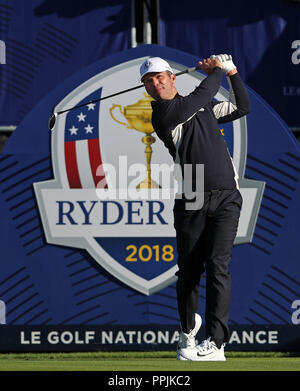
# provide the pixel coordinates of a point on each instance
(258, 34)
(53, 46)
(44, 284)
(48, 40)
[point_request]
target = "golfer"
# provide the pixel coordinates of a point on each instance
(189, 128)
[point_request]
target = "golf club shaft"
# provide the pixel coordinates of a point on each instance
(188, 70)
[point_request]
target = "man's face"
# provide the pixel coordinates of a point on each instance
(160, 85)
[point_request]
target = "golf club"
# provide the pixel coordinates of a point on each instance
(52, 119)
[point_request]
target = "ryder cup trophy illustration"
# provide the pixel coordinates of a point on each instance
(138, 117)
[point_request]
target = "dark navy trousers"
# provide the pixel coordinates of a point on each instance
(204, 243)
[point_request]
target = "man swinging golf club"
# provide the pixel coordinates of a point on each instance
(188, 127)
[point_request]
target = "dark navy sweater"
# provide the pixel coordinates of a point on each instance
(188, 127)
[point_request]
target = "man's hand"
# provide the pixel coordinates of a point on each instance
(209, 64)
(228, 66)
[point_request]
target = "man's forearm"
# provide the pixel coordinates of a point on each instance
(210, 84)
(184, 107)
(231, 73)
(241, 95)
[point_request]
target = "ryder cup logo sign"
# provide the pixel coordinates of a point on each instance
(113, 189)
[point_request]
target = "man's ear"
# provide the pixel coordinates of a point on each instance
(173, 77)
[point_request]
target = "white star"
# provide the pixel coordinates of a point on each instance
(81, 117)
(89, 129)
(91, 106)
(73, 130)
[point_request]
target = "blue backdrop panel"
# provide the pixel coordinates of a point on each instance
(48, 40)
(263, 37)
(75, 304)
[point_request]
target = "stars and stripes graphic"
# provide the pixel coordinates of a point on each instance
(82, 145)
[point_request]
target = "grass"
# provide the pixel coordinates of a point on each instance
(146, 361)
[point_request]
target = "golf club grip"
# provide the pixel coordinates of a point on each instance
(188, 70)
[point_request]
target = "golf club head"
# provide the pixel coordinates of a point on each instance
(52, 121)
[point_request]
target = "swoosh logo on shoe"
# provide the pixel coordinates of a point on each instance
(202, 355)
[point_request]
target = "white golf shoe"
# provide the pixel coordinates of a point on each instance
(187, 342)
(206, 351)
